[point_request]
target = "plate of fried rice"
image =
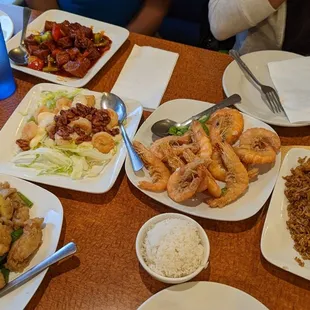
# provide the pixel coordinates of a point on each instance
(286, 235)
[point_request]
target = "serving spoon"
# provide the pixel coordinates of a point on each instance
(111, 101)
(161, 128)
(62, 253)
(19, 54)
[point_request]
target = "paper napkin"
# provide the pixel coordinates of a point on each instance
(292, 81)
(145, 75)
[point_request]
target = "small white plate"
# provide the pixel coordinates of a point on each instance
(234, 81)
(12, 130)
(202, 296)
(277, 245)
(6, 25)
(117, 34)
(45, 205)
(246, 206)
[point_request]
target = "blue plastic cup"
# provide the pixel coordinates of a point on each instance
(7, 83)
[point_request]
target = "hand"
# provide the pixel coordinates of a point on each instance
(276, 3)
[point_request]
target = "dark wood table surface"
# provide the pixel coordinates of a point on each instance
(105, 273)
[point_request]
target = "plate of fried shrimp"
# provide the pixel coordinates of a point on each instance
(224, 169)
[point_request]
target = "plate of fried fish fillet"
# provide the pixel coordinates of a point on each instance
(222, 167)
(30, 226)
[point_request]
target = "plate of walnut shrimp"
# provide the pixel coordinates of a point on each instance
(222, 167)
(60, 136)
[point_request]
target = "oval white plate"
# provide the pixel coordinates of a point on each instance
(234, 81)
(6, 25)
(202, 296)
(245, 207)
(45, 205)
(277, 245)
(117, 34)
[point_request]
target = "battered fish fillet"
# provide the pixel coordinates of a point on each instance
(20, 217)
(5, 239)
(23, 249)
(2, 281)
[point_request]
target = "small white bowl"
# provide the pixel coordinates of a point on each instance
(158, 218)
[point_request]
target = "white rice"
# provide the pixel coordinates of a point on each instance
(173, 248)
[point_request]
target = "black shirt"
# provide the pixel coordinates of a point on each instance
(297, 32)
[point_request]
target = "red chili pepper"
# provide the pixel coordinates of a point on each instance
(56, 32)
(35, 63)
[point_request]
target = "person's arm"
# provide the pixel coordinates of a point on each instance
(42, 5)
(150, 17)
(229, 17)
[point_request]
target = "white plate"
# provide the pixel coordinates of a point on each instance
(202, 296)
(12, 130)
(246, 206)
(117, 34)
(277, 245)
(45, 205)
(6, 25)
(234, 81)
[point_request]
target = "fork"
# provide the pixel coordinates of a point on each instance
(273, 100)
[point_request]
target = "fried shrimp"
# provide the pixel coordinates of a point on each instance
(171, 157)
(157, 169)
(184, 182)
(258, 146)
(237, 179)
(83, 124)
(200, 137)
(103, 142)
(29, 131)
(63, 103)
(229, 122)
(217, 168)
(176, 142)
(113, 119)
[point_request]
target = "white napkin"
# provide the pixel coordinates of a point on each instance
(292, 81)
(145, 75)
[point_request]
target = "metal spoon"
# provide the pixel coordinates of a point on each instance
(161, 128)
(111, 101)
(62, 253)
(19, 55)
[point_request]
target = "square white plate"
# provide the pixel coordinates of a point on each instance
(12, 131)
(246, 206)
(277, 245)
(117, 34)
(45, 205)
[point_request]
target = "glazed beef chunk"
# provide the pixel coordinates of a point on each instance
(93, 54)
(74, 52)
(62, 58)
(65, 42)
(78, 67)
(41, 53)
(49, 25)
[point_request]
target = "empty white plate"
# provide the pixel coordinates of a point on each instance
(277, 245)
(202, 296)
(246, 206)
(234, 81)
(6, 25)
(45, 205)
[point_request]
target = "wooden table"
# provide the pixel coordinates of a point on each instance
(105, 273)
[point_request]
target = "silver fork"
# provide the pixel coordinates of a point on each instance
(274, 103)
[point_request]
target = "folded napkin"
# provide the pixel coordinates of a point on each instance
(291, 79)
(145, 75)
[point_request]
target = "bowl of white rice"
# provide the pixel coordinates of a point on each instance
(172, 248)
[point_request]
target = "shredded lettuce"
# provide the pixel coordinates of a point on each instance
(49, 98)
(75, 161)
